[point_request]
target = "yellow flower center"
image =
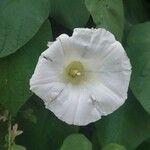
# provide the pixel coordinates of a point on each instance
(75, 72)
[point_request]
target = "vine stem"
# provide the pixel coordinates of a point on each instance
(9, 133)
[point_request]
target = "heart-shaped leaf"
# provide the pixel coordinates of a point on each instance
(18, 68)
(138, 49)
(114, 146)
(70, 13)
(19, 22)
(76, 142)
(128, 126)
(108, 14)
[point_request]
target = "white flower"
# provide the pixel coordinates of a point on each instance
(82, 77)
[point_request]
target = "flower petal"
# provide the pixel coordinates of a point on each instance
(104, 99)
(117, 82)
(74, 107)
(49, 44)
(60, 105)
(54, 53)
(86, 112)
(71, 51)
(116, 59)
(46, 79)
(49, 91)
(93, 41)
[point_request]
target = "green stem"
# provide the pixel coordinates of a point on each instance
(9, 133)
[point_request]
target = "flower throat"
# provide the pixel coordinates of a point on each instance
(75, 72)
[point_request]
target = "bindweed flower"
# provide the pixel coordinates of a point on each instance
(82, 77)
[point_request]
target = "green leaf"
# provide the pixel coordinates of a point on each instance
(29, 115)
(138, 49)
(48, 133)
(114, 146)
(17, 69)
(17, 147)
(131, 13)
(95, 143)
(69, 13)
(108, 14)
(76, 142)
(128, 126)
(145, 145)
(19, 21)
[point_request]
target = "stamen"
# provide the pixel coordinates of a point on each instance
(78, 73)
(75, 72)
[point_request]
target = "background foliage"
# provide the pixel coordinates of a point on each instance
(25, 28)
